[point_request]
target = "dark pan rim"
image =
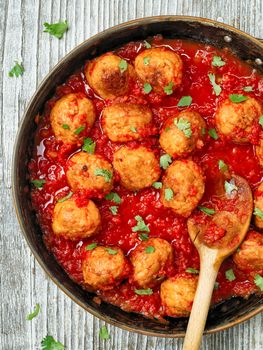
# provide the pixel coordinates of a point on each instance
(112, 30)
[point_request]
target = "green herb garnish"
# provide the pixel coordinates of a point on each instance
(184, 125)
(123, 65)
(17, 70)
(79, 130)
(38, 183)
(150, 249)
(258, 280)
(216, 87)
(49, 343)
(56, 29)
(148, 291)
(111, 251)
(143, 236)
(206, 210)
(63, 199)
(141, 226)
(133, 129)
(33, 314)
(237, 98)
(66, 127)
(193, 271)
(147, 88)
(258, 213)
(222, 166)
(213, 134)
(147, 45)
(104, 334)
(168, 194)
(261, 120)
(157, 185)
(168, 89)
(185, 101)
(113, 196)
(165, 161)
(230, 276)
(114, 210)
(105, 173)
(146, 61)
(89, 145)
(218, 62)
(230, 186)
(91, 246)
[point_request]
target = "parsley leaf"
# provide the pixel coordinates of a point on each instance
(168, 89)
(191, 270)
(258, 213)
(230, 276)
(114, 209)
(237, 98)
(185, 101)
(56, 29)
(111, 251)
(63, 199)
(147, 45)
(148, 291)
(258, 280)
(184, 125)
(141, 226)
(206, 210)
(143, 236)
(66, 127)
(146, 61)
(91, 246)
(147, 88)
(230, 186)
(49, 343)
(113, 196)
(168, 194)
(89, 145)
(248, 88)
(33, 314)
(79, 130)
(213, 133)
(105, 173)
(150, 249)
(157, 185)
(165, 161)
(216, 285)
(133, 129)
(218, 62)
(123, 65)
(104, 334)
(261, 120)
(17, 70)
(222, 166)
(38, 183)
(216, 87)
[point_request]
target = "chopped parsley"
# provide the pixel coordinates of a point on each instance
(147, 291)
(258, 280)
(222, 166)
(165, 161)
(184, 125)
(114, 209)
(49, 343)
(168, 89)
(185, 101)
(216, 285)
(143, 236)
(105, 173)
(146, 61)
(33, 314)
(17, 70)
(258, 213)
(56, 29)
(261, 120)
(193, 271)
(237, 98)
(248, 88)
(230, 276)
(147, 45)
(113, 196)
(206, 210)
(111, 251)
(141, 226)
(133, 129)
(168, 194)
(216, 87)
(230, 186)
(218, 62)
(63, 199)
(91, 246)
(89, 145)
(79, 130)
(147, 88)
(104, 334)
(213, 134)
(65, 126)
(150, 249)
(38, 183)
(123, 65)
(157, 185)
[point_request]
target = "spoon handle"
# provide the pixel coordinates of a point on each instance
(196, 324)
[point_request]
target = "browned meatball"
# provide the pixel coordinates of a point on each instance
(236, 120)
(72, 117)
(75, 222)
(250, 255)
(180, 135)
(258, 203)
(159, 67)
(150, 260)
(109, 75)
(183, 187)
(104, 268)
(137, 167)
(177, 295)
(125, 122)
(90, 172)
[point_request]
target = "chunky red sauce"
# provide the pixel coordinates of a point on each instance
(50, 156)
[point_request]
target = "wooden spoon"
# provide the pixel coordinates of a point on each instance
(235, 223)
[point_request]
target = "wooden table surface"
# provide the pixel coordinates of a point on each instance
(23, 283)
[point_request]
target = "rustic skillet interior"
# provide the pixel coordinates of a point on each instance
(245, 47)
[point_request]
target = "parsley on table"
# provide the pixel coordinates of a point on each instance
(143, 236)
(147, 291)
(63, 199)
(206, 210)
(216, 87)
(91, 246)
(65, 126)
(184, 125)
(230, 186)
(192, 270)
(123, 65)
(168, 194)
(147, 45)
(237, 98)
(185, 101)
(141, 226)
(17, 70)
(168, 89)
(150, 249)
(79, 130)
(56, 29)
(261, 120)
(165, 161)
(146, 61)
(213, 134)
(49, 343)
(222, 166)
(111, 251)
(147, 88)
(104, 334)
(258, 213)
(38, 183)
(258, 280)
(157, 185)
(230, 276)
(114, 209)
(113, 196)
(89, 145)
(218, 62)
(248, 88)
(33, 314)
(105, 173)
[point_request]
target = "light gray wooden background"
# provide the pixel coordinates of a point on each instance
(23, 283)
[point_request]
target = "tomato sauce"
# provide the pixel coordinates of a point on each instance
(50, 156)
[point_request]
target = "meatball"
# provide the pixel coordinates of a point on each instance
(109, 75)
(182, 134)
(183, 187)
(237, 120)
(150, 260)
(177, 294)
(125, 122)
(259, 151)
(104, 268)
(72, 117)
(249, 257)
(159, 67)
(137, 167)
(90, 172)
(258, 201)
(73, 222)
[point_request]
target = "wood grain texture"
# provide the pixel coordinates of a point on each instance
(22, 282)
